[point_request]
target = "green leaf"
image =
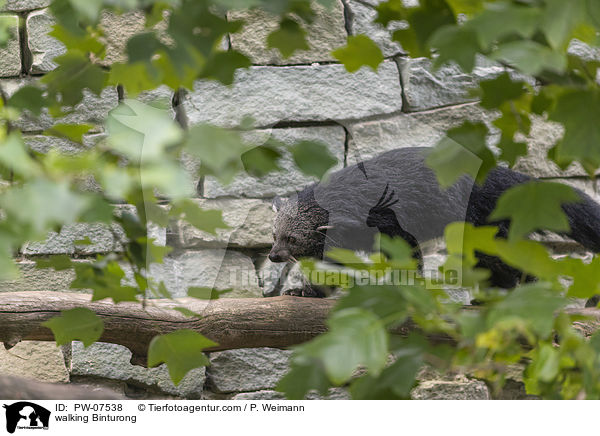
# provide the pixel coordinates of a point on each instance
(345, 257)
(356, 338)
(73, 132)
(261, 160)
(89, 9)
(59, 262)
(42, 204)
(500, 89)
(180, 350)
(14, 156)
(206, 220)
(74, 73)
(534, 206)
(560, 19)
(360, 50)
(467, 7)
(462, 151)
(223, 65)
(288, 38)
(383, 301)
(586, 277)
(313, 158)
(79, 324)
(304, 376)
(135, 77)
(529, 256)
(578, 110)
(391, 10)
(397, 249)
(218, 149)
(30, 98)
(423, 22)
(511, 150)
(533, 305)
(501, 20)
(116, 293)
(141, 132)
(395, 381)
(206, 293)
(142, 46)
(104, 278)
(83, 41)
(544, 366)
(457, 44)
(530, 57)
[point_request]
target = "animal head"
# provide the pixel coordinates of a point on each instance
(299, 228)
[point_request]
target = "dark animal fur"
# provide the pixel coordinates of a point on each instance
(397, 194)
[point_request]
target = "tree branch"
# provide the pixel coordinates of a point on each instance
(19, 388)
(276, 322)
(232, 323)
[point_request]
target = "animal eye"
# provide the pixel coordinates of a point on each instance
(291, 240)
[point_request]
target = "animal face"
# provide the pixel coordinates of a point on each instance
(298, 231)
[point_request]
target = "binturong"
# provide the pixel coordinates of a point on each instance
(397, 194)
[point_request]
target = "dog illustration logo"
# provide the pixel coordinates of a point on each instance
(26, 415)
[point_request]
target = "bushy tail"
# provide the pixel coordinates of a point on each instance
(583, 216)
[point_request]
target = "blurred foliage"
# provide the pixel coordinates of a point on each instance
(527, 328)
(138, 164)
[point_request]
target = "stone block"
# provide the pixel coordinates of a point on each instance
(103, 238)
(371, 138)
(103, 241)
(10, 54)
(246, 369)
(463, 389)
(362, 23)
(111, 361)
(334, 394)
(290, 179)
(212, 268)
(117, 31)
(92, 109)
(161, 97)
(425, 89)
(542, 137)
(25, 5)
(42, 361)
(249, 224)
(325, 34)
(43, 47)
(44, 143)
(34, 279)
(298, 93)
(584, 51)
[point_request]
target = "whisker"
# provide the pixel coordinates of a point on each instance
(326, 236)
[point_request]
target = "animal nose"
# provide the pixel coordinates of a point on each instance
(278, 256)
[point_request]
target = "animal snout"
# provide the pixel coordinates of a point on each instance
(279, 256)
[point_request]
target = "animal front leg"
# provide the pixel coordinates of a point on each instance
(308, 290)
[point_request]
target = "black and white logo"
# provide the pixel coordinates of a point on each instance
(26, 415)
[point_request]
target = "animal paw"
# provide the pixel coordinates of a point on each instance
(306, 291)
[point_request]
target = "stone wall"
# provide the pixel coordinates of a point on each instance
(308, 96)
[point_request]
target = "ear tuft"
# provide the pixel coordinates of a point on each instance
(277, 203)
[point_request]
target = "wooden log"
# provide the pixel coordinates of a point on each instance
(232, 323)
(19, 388)
(276, 322)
